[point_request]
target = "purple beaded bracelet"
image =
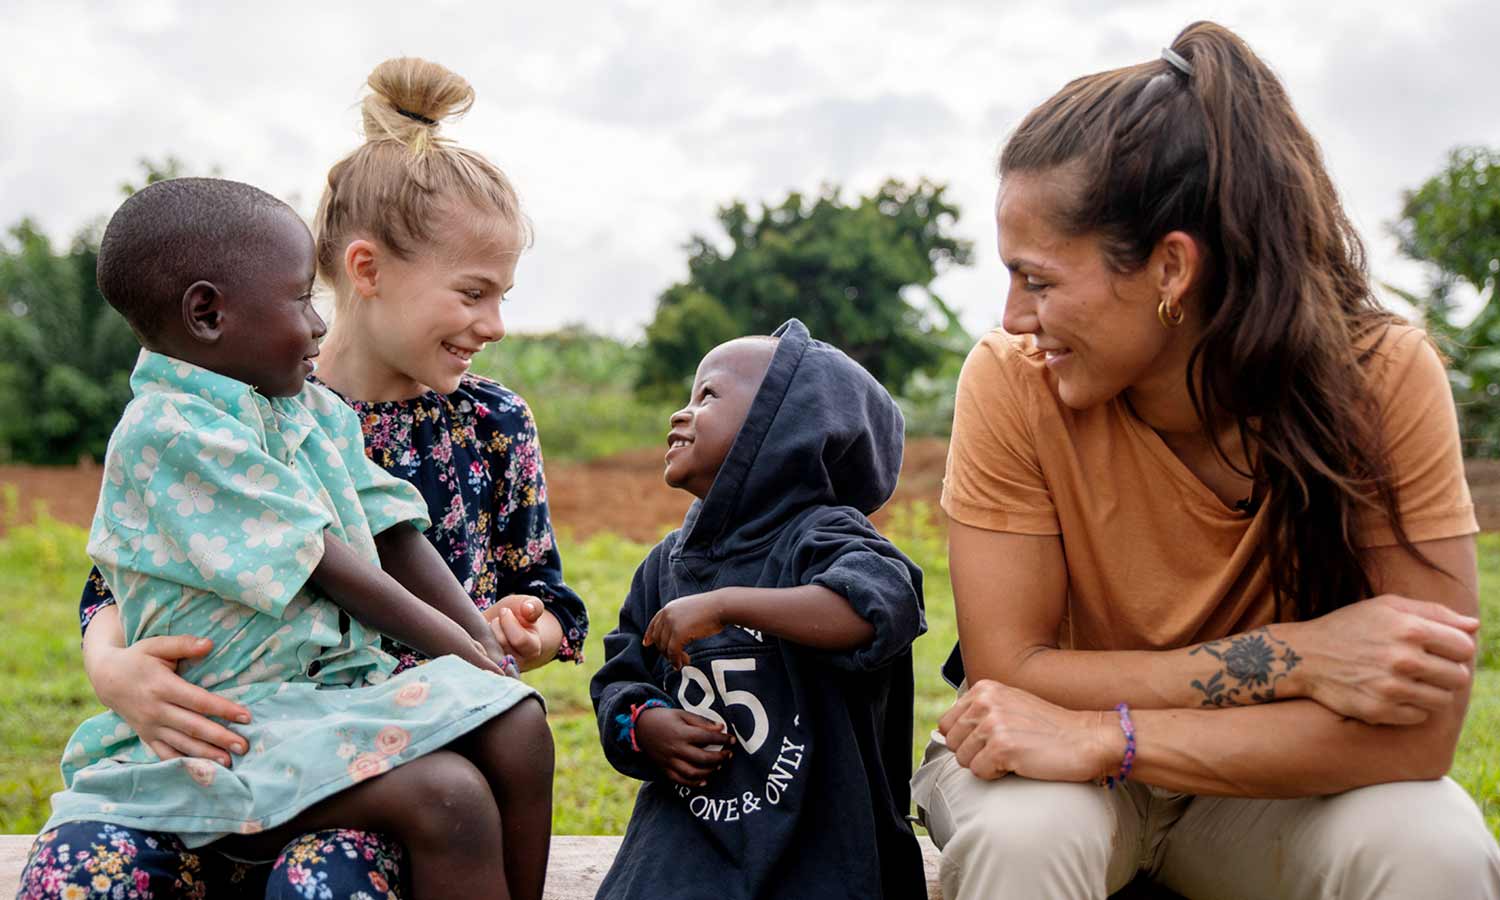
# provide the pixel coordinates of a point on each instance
(1128, 727)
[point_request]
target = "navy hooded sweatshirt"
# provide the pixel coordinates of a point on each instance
(813, 802)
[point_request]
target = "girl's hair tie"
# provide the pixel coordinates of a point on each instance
(417, 116)
(1177, 61)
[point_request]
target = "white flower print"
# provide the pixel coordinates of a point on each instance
(208, 554)
(104, 548)
(192, 494)
(163, 549)
(146, 468)
(114, 470)
(347, 750)
(247, 406)
(229, 616)
(218, 402)
(261, 588)
(310, 552)
(222, 446)
(335, 449)
(258, 672)
(131, 511)
(135, 413)
(171, 421)
(255, 481)
(269, 529)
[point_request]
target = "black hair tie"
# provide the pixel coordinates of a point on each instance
(416, 116)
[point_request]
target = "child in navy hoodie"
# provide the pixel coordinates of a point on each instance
(760, 680)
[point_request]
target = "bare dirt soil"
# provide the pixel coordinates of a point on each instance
(623, 493)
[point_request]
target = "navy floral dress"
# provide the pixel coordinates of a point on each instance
(474, 456)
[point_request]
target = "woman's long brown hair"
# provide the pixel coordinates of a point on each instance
(1221, 155)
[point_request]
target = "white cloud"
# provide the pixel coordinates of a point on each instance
(625, 126)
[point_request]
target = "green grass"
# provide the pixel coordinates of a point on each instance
(45, 694)
(1489, 600)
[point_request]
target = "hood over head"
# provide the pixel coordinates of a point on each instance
(821, 431)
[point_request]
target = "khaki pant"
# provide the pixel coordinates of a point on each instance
(1018, 838)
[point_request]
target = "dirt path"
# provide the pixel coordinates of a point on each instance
(623, 493)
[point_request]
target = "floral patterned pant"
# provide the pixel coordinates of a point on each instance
(91, 859)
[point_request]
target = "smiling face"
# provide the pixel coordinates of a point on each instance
(427, 315)
(270, 329)
(704, 430)
(1098, 329)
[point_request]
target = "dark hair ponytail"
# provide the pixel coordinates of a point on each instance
(1217, 151)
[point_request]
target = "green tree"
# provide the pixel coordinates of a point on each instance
(855, 273)
(65, 355)
(1452, 222)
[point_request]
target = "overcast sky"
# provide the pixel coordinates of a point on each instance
(626, 124)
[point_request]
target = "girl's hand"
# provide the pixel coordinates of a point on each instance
(683, 621)
(477, 655)
(688, 748)
(1388, 660)
(995, 729)
(513, 623)
(140, 683)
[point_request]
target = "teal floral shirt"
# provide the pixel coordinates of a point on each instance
(211, 491)
(211, 520)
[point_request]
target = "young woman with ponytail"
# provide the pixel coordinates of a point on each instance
(1211, 546)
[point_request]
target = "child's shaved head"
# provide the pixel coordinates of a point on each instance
(177, 232)
(704, 430)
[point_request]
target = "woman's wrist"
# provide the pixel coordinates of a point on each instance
(1291, 638)
(1109, 744)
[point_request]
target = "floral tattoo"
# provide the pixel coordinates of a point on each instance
(1253, 663)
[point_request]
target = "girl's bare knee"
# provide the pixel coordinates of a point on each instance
(524, 729)
(442, 797)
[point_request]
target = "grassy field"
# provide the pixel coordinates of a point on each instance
(45, 693)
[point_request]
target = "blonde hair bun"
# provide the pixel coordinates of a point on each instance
(410, 98)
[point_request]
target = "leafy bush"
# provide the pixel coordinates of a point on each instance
(1452, 222)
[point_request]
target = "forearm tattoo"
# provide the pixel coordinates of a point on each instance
(1253, 663)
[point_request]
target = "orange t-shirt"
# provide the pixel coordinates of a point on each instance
(1155, 559)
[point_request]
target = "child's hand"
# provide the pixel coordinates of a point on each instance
(683, 621)
(140, 683)
(475, 653)
(678, 742)
(512, 620)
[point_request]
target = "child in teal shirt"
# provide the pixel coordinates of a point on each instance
(238, 504)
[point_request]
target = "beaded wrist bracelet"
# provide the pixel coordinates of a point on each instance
(627, 722)
(1128, 727)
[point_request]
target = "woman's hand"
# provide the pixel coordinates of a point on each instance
(994, 729)
(1388, 660)
(683, 621)
(140, 683)
(513, 621)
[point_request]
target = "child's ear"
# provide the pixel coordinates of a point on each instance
(362, 266)
(203, 312)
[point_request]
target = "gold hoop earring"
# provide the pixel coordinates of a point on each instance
(1170, 316)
